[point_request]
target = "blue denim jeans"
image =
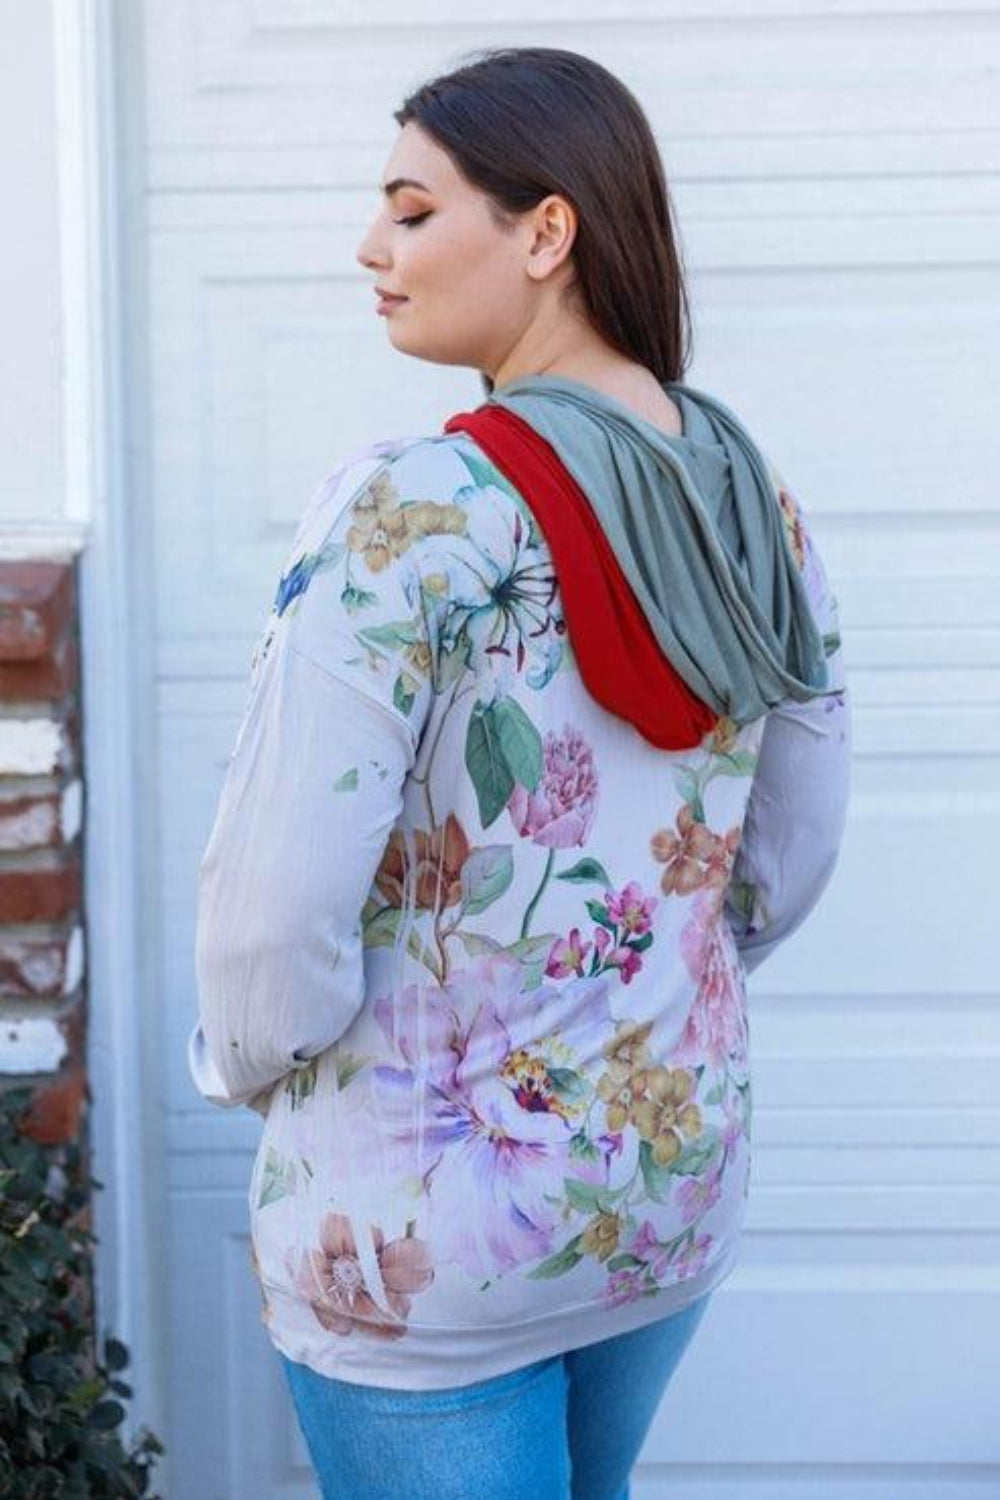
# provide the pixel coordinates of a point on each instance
(565, 1428)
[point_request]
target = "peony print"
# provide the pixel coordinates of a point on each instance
(716, 1026)
(559, 812)
(491, 1106)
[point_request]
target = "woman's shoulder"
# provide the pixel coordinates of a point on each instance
(433, 465)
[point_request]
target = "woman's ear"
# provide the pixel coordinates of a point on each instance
(555, 225)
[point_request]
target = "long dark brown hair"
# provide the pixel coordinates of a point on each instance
(523, 122)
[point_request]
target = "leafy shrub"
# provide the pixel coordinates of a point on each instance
(58, 1406)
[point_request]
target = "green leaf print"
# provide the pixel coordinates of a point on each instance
(655, 1177)
(277, 1179)
(354, 599)
(592, 1197)
(586, 871)
(394, 633)
(740, 763)
(520, 742)
(688, 784)
(484, 474)
(557, 1265)
(404, 691)
(348, 782)
(381, 926)
(477, 943)
(580, 1145)
(586, 1196)
(697, 1154)
(487, 764)
(502, 747)
(624, 1262)
(532, 954)
(571, 1087)
(302, 1083)
(452, 663)
(600, 914)
(348, 1067)
(486, 874)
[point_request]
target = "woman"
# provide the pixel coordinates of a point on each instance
(530, 774)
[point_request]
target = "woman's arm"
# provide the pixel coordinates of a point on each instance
(312, 791)
(798, 803)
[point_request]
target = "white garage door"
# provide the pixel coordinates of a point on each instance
(835, 167)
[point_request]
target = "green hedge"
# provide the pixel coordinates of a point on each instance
(59, 1406)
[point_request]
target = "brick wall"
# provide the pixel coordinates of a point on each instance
(42, 996)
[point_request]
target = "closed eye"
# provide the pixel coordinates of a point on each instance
(414, 218)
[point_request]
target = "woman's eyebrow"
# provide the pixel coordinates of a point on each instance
(401, 182)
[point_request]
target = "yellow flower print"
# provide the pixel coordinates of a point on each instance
(622, 1082)
(383, 529)
(628, 1046)
(664, 1114)
(601, 1235)
(420, 657)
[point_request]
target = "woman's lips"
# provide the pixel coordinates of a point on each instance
(387, 302)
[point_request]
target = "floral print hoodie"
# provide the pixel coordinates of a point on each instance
(475, 950)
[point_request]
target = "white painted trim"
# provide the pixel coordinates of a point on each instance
(60, 542)
(84, 398)
(94, 45)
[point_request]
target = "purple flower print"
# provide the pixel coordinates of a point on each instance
(567, 955)
(696, 1195)
(630, 909)
(483, 1110)
(561, 809)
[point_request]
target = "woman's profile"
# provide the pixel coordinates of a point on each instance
(546, 746)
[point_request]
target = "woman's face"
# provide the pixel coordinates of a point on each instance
(472, 290)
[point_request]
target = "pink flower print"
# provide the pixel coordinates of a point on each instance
(692, 1257)
(626, 1285)
(716, 1027)
(567, 955)
(561, 809)
(626, 961)
(645, 1246)
(630, 909)
(696, 1195)
(602, 941)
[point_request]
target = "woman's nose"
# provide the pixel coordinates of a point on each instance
(367, 252)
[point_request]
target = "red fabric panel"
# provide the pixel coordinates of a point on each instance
(619, 656)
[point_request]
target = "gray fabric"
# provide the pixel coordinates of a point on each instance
(695, 525)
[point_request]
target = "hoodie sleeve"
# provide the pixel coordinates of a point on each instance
(798, 803)
(338, 697)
